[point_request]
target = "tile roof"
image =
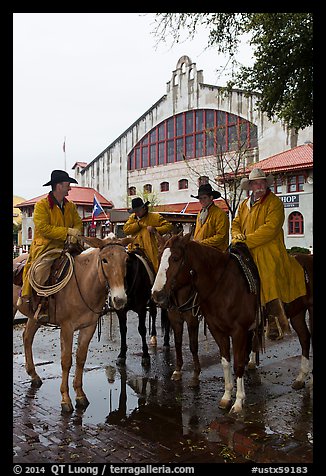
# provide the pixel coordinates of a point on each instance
(300, 157)
(193, 207)
(78, 195)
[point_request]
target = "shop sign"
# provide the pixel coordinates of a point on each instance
(290, 201)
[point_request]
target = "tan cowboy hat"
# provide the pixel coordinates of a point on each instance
(256, 174)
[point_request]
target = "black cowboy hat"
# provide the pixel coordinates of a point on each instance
(206, 189)
(137, 204)
(58, 176)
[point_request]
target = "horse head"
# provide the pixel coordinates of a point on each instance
(174, 272)
(112, 266)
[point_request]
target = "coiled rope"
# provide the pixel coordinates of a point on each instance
(43, 290)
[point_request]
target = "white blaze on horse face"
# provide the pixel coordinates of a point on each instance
(160, 279)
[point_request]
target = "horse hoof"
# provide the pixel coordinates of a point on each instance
(121, 361)
(251, 366)
(176, 375)
(194, 382)
(153, 341)
(298, 385)
(36, 382)
(146, 361)
(166, 346)
(67, 408)
(82, 402)
(224, 405)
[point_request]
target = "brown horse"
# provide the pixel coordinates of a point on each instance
(183, 308)
(227, 305)
(77, 307)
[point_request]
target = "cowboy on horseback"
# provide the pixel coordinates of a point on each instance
(143, 226)
(212, 223)
(258, 224)
(55, 218)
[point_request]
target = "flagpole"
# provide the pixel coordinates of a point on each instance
(64, 151)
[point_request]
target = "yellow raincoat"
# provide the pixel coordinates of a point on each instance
(51, 227)
(143, 238)
(215, 230)
(281, 275)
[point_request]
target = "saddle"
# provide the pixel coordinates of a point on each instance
(18, 269)
(241, 253)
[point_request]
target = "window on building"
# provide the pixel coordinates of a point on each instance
(183, 184)
(132, 191)
(29, 233)
(29, 211)
(196, 133)
(295, 221)
(165, 186)
(295, 183)
(202, 180)
(147, 188)
(277, 186)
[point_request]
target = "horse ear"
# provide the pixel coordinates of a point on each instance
(126, 241)
(187, 237)
(94, 242)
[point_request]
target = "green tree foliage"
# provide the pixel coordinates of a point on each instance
(282, 73)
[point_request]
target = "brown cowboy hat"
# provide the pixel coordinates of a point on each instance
(137, 204)
(58, 176)
(256, 174)
(206, 189)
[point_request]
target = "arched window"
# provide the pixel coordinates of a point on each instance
(165, 186)
(183, 184)
(202, 180)
(29, 233)
(295, 223)
(132, 191)
(175, 80)
(191, 73)
(147, 188)
(192, 134)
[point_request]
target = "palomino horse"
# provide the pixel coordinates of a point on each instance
(227, 305)
(138, 289)
(77, 307)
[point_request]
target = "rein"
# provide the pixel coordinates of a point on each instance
(105, 306)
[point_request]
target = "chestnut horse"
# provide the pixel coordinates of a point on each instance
(183, 308)
(77, 307)
(227, 305)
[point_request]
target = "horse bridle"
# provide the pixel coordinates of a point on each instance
(186, 306)
(107, 287)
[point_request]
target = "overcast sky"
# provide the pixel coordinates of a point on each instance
(88, 77)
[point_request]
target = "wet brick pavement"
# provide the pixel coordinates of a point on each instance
(42, 434)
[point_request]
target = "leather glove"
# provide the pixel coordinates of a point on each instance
(239, 237)
(72, 239)
(73, 232)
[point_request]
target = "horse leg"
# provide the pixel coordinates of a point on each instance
(177, 325)
(28, 336)
(122, 315)
(84, 338)
(240, 346)
(152, 320)
(224, 346)
(299, 325)
(193, 326)
(145, 361)
(66, 339)
(165, 324)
